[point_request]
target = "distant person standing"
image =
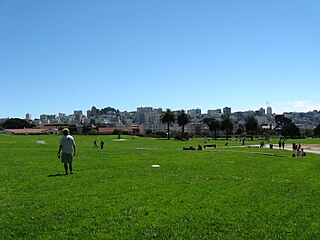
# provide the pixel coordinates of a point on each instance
(68, 149)
(101, 144)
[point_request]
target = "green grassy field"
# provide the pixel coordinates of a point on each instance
(223, 193)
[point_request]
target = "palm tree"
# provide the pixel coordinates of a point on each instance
(251, 125)
(227, 125)
(213, 124)
(183, 119)
(168, 118)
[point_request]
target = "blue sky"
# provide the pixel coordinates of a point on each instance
(65, 55)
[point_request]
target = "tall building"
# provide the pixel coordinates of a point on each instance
(194, 112)
(227, 111)
(142, 114)
(93, 111)
(262, 111)
(269, 111)
(43, 117)
(28, 116)
(78, 115)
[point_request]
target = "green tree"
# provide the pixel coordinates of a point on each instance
(16, 123)
(316, 131)
(290, 130)
(86, 129)
(227, 125)
(149, 132)
(213, 124)
(168, 117)
(281, 120)
(251, 125)
(183, 119)
(94, 131)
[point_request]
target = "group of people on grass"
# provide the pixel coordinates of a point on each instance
(299, 151)
(101, 144)
(282, 143)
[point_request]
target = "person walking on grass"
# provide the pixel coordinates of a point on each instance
(67, 149)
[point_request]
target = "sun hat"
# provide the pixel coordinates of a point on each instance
(65, 130)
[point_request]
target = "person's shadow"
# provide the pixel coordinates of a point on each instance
(56, 175)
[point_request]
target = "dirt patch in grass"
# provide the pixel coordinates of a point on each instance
(312, 147)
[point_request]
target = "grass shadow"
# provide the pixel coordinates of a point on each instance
(56, 175)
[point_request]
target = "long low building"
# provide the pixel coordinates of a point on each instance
(31, 131)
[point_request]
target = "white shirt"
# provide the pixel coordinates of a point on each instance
(67, 143)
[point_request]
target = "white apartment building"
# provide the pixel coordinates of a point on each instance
(193, 113)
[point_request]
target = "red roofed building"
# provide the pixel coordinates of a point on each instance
(31, 131)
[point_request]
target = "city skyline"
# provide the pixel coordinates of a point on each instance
(268, 110)
(169, 54)
(203, 111)
(150, 117)
(85, 112)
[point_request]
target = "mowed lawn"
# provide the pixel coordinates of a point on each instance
(225, 193)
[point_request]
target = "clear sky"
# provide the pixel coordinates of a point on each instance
(65, 55)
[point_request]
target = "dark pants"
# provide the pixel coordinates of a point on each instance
(66, 167)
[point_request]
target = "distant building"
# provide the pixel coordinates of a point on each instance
(194, 112)
(46, 119)
(211, 112)
(32, 131)
(262, 111)
(43, 117)
(214, 113)
(94, 111)
(142, 115)
(155, 127)
(262, 119)
(62, 117)
(28, 116)
(109, 130)
(78, 116)
(227, 111)
(3, 120)
(195, 129)
(269, 110)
